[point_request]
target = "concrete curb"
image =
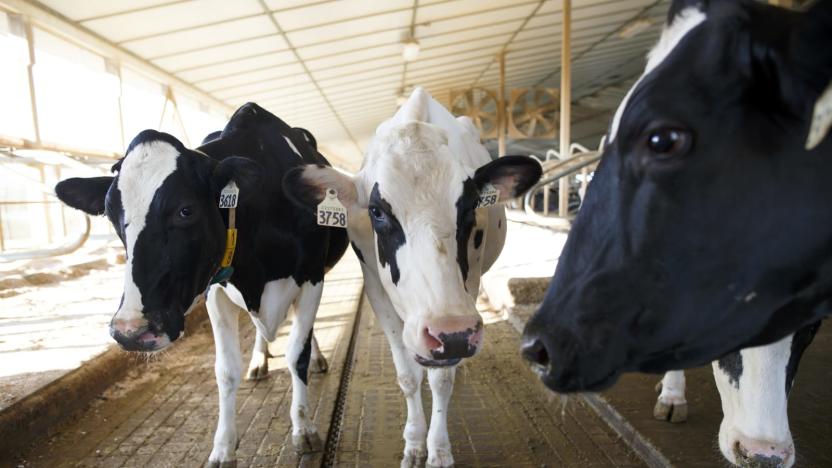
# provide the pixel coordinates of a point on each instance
(629, 434)
(39, 415)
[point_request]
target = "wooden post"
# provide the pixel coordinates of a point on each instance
(565, 103)
(502, 118)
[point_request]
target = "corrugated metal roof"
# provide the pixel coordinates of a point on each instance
(336, 67)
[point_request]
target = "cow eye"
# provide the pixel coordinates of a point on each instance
(376, 213)
(185, 212)
(667, 142)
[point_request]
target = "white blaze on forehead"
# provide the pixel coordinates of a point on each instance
(682, 24)
(142, 172)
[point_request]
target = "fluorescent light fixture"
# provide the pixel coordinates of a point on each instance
(634, 27)
(410, 51)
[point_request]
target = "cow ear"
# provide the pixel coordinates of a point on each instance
(677, 6)
(85, 194)
(308, 136)
(511, 175)
(306, 185)
(248, 175)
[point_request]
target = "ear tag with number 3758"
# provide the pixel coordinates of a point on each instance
(229, 195)
(489, 195)
(331, 212)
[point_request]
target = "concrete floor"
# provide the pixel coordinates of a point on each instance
(694, 442)
(165, 415)
(500, 414)
(54, 321)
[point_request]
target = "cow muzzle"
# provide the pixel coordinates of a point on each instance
(137, 335)
(754, 453)
(448, 340)
(564, 365)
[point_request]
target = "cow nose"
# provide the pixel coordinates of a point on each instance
(453, 337)
(762, 453)
(126, 332)
(534, 351)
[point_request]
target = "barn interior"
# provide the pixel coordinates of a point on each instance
(538, 77)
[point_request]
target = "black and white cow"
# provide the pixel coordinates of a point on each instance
(163, 203)
(414, 223)
(754, 385)
(707, 226)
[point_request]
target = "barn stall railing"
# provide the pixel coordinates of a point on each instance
(566, 168)
(54, 219)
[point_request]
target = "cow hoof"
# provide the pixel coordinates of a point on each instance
(414, 458)
(307, 442)
(440, 458)
(258, 370)
(318, 366)
(221, 464)
(673, 412)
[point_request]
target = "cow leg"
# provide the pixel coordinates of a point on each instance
(409, 376)
(304, 433)
(317, 363)
(439, 444)
(258, 368)
(671, 404)
(228, 368)
(275, 300)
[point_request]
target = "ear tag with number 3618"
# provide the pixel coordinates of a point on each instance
(229, 195)
(489, 195)
(331, 212)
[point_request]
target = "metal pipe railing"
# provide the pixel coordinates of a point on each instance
(70, 247)
(564, 169)
(60, 160)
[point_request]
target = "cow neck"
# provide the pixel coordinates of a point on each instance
(225, 270)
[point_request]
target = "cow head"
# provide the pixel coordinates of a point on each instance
(412, 215)
(162, 203)
(754, 386)
(707, 226)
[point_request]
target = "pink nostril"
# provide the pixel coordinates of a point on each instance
(475, 339)
(432, 342)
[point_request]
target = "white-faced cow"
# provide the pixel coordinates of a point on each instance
(414, 223)
(707, 226)
(163, 203)
(754, 385)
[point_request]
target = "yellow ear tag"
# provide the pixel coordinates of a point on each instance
(230, 246)
(331, 212)
(821, 119)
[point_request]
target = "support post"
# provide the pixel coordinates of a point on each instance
(502, 118)
(565, 107)
(30, 41)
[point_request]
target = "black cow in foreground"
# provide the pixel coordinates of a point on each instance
(163, 203)
(708, 225)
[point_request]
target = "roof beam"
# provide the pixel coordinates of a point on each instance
(311, 77)
(54, 22)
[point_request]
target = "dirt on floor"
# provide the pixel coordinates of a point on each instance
(694, 442)
(500, 414)
(165, 413)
